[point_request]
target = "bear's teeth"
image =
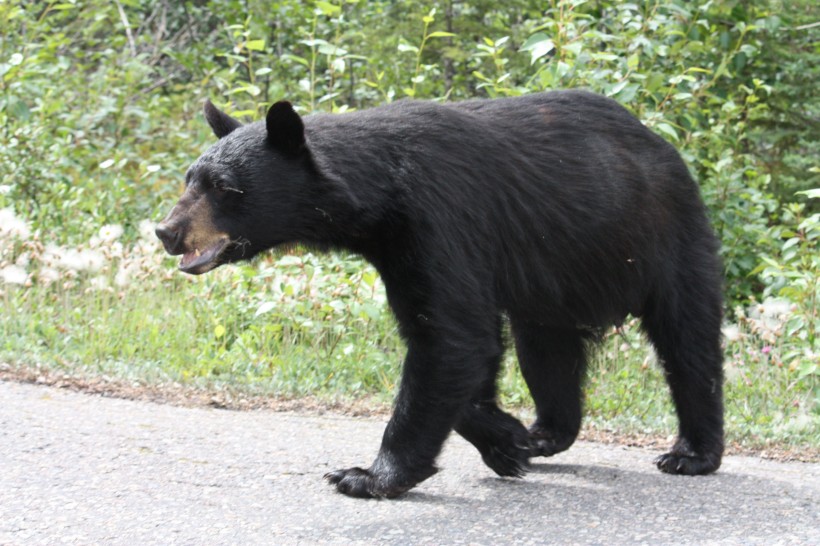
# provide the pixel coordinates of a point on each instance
(197, 252)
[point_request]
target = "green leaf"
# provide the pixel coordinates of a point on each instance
(369, 278)
(539, 45)
(615, 89)
(481, 76)
(440, 34)
(812, 194)
(328, 9)
(265, 307)
(330, 49)
(18, 109)
(255, 45)
(808, 368)
(627, 94)
(533, 40)
(407, 47)
(295, 58)
(790, 243)
(574, 48)
(219, 331)
(314, 42)
(668, 130)
(249, 88)
(654, 82)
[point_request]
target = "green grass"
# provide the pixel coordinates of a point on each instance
(185, 329)
(302, 325)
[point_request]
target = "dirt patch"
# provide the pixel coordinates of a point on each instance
(236, 399)
(179, 394)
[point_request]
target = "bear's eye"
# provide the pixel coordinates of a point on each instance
(223, 186)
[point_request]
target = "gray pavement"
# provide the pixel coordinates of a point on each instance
(82, 469)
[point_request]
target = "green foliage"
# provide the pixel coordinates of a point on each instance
(99, 118)
(729, 82)
(794, 273)
(86, 141)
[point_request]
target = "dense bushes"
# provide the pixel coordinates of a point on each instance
(88, 83)
(99, 100)
(100, 116)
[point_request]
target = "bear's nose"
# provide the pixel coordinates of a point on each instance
(169, 237)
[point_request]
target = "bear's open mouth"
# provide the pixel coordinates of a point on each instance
(199, 261)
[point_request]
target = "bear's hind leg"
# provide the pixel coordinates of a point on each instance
(685, 330)
(500, 438)
(552, 362)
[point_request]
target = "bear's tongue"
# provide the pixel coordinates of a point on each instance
(195, 259)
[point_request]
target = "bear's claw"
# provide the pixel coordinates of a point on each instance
(507, 460)
(685, 460)
(365, 484)
(546, 443)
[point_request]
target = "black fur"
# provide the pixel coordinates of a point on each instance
(559, 210)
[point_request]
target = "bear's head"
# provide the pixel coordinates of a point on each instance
(245, 194)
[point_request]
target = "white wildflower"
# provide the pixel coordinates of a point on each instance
(772, 314)
(123, 277)
(146, 229)
(731, 332)
(775, 308)
(126, 273)
(48, 275)
(116, 250)
(5, 189)
(73, 259)
(11, 226)
(90, 260)
(147, 250)
(51, 255)
(98, 283)
(731, 370)
(13, 274)
(110, 232)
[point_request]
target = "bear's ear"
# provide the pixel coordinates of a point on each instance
(286, 132)
(221, 123)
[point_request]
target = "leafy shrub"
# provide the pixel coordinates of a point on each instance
(99, 117)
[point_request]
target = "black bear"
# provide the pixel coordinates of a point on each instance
(559, 211)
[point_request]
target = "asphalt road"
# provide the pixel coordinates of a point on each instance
(83, 469)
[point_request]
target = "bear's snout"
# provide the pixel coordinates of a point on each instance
(170, 238)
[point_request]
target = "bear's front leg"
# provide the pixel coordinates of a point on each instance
(433, 388)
